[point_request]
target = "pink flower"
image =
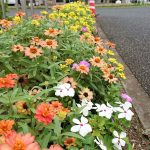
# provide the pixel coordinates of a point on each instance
(55, 147)
(20, 142)
(126, 97)
(84, 29)
(82, 67)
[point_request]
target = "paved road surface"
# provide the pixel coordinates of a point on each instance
(129, 28)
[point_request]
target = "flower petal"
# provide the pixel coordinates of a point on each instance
(122, 142)
(76, 121)
(122, 115)
(123, 135)
(115, 140)
(116, 134)
(75, 128)
(84, 120)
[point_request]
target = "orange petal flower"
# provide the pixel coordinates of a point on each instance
(7, 83)
(55, 147)
(86, 94)
(5, 23)
(98, 40)
(36, 41)
(44, 113)
(110, 78)
(52, 32)
(20, 14)
(20, 142)
(70, 142)
(56, 106)
(71, 81)
(51, 43)
(111, 45)
(18, 47)
(33, 52)
(101, 50)
(97, 61)
(6, 127)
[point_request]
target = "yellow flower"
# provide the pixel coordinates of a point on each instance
(69, 61)
(66, 22)
(120, 67)
(46, 83)
(44, 12)
(35, 22)
(122, 75)
(110, 52)
(16, 20)
(62, 66)
(113, 60)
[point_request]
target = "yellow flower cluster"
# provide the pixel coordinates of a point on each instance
(75, 16)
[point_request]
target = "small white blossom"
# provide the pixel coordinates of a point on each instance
(100, 143)
(125, 112)
(87, 106)
(63, 90)
(104, 111)
(82, 126)
(118, 140)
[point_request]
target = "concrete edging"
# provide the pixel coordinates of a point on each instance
(141, 100)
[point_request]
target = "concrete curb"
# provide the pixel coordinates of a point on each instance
(141, 100)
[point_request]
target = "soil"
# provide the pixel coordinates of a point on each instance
(139, 140)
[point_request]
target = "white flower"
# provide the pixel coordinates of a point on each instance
(63, 90)
(82, 126)
(100, 143)
(104, 111)
(118, 141)
(86, 107)
(125, 112)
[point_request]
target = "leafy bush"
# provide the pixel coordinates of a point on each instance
(60, 85)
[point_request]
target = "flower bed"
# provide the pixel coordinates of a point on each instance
(59, 84)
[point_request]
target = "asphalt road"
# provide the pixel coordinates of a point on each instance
(129, 28)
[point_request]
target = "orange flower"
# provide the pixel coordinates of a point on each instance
(82, 69)
(18, 47)
(101, 50)
(63, 113)
(20, 142)
(57, 7)
(56, 106)
(52, 32)
(86, 94)
(110, 78)
(98, 40)
(37, 17)
(44, 113)
(5, 23)
(6, 127)
(55, 147)
(20, 14)
(71, 81)
(7, 83)
(111, 45)
(22, 107)
(33, 52)
(12, 76)
(36, 41)
(97, 61)
(87, 37)
(51, 43)
(70, 142)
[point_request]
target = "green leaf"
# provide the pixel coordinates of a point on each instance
(73, 135)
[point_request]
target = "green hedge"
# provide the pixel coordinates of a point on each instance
(6, 9)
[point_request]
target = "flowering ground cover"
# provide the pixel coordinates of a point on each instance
(59, 84)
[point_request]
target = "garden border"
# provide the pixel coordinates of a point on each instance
(141, 100)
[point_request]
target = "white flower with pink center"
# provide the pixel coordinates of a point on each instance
(82, 126)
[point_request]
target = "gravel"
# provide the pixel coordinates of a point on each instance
(129, 28)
